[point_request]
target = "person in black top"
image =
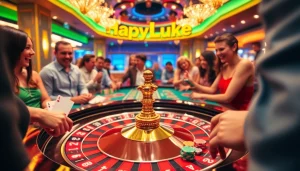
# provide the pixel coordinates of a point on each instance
(14, 117)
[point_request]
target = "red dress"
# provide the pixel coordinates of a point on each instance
(242, 99)
(240, 102)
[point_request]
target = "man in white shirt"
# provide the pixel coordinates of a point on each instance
(91, 77)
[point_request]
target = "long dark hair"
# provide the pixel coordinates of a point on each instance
(210, 58)
(86, 58)
(14, 46)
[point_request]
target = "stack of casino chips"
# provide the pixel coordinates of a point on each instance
(200, 143)
(187, 153)
(190, 149)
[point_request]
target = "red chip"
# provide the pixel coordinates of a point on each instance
(200, 143)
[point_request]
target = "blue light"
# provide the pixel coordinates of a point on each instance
(152, 16)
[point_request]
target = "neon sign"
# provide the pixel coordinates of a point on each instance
(142, 33)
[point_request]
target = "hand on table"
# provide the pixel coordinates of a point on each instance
(55, 123)
(195, 95)
(82, 99)
(227, 131)
(184, 87)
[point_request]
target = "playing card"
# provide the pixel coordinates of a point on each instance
(50, 104)
(63, 104)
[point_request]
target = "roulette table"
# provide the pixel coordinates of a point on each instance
(96, 141)
(162, 93)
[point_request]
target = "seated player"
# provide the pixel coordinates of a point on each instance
(105, 81)
(61, 77)
(207, 68)
(131, 62)
(107, 64)
(184, 65)
(235, 80)
(156, 72)
(167, 75)
(91, 77)
(135, 74)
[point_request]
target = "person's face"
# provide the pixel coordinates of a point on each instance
(90, 65)
(64, 55)
(225, 52)
(169, 68)
(132, 60)
(198, 62)
(106, 65)
(100, 64)
(139, 63)
(26, 55)
(203, 63)
(184, 65)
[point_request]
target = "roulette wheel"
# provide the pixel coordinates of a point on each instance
(133, 135)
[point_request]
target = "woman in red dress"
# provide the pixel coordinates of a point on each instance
(235, 79)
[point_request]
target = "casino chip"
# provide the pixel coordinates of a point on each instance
(200, 143)
(198, 151)
(187, 153)
(188, 143)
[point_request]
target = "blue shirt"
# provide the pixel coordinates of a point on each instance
(59, 82)
(105, 81)
(166, 75)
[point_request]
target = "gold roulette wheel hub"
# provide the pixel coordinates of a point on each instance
(146, 140)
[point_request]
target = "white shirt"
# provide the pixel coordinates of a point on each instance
(139, 77)
(88, 78)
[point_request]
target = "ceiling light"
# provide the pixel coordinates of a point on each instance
(173, 7)
(256, 16)
(123, 6)
(232, 26)
(205, 36)
(217, 32)
(224, 29)
(211, 35)
(54, 17)
(243, 21)
(85, 5)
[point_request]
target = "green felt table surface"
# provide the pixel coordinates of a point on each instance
(164, 93)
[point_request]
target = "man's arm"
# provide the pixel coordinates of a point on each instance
(273, 123)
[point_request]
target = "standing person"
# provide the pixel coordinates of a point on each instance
(235, 80)
(105, 81)
(156, 71)
(131, 62)
(61, 77)
(184, 65)
(257, 49)
(273, 120)
(135, 74)
(167, 75)
(91, 77)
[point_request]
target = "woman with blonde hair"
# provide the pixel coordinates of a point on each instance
(184, 65)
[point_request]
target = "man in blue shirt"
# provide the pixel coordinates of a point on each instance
(61, 77)
(167, 74)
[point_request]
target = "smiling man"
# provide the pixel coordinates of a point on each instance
(61, 77)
